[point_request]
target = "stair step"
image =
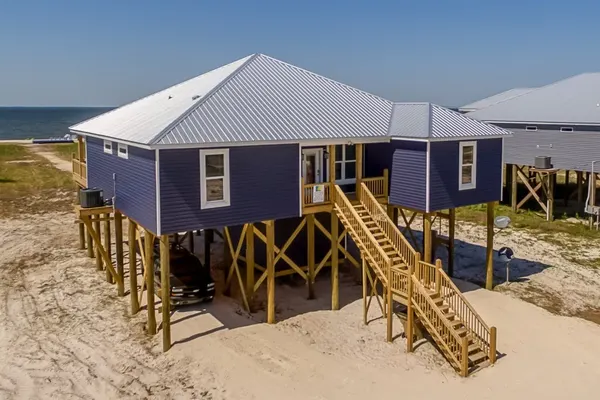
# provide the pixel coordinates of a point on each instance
(477, 357)
(462, 331)
(456, 323)
(474, 348)
(444, 308)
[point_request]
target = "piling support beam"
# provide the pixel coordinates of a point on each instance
(489, 251)
(513, 190)
(149, 254)
(270, 227)
(133, 289)
(107, 246)
(427, 242)
(165, 292)
(310, 234)
(97, 248)
(451, 234)
(119, 253)
(250, 263)
(579, 191)
(335, 287)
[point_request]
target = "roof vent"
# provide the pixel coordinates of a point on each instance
(196, 97)
(170, 97)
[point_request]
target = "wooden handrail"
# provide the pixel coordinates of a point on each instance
(307, 193)
(375, 185)
(377, 255)
(431, 277)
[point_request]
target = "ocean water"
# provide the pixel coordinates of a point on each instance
(42, 122)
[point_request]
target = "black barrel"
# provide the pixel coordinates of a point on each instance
(91, 197)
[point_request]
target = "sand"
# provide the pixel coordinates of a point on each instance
(64, 334)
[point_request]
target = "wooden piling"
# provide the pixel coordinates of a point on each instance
(133, 289)
(359, 167)
(592, 182)
(165, 291)
(250, 262)
(107, 246)
(119, 253)
(427, 243)
(410, 314)
(89, 244)
(451, 234)
(270, 227)
(310, 234)
(364, 289)
(149, 253)
(567, 191)
(489, 253)
(513, 190)
(97, 252)
(579, 191)
(191, 241)
(208, 239)
(335, 288)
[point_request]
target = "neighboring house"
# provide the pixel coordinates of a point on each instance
(560, 120)
(495, 99)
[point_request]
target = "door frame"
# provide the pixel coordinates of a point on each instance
(318, 153)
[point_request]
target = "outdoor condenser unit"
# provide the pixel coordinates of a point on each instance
(543, 162)
(91, 197)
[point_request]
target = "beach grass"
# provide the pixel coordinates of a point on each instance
(64, 150)
(534, 221)
(29, 183)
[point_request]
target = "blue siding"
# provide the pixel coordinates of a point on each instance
(408, 175)
(378, 156)
(135, 180)
(444, 179)
(264, 184)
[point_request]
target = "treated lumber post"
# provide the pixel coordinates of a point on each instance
(270, 227)
(513, 190)
(364, 289)
(464, 370)
(489, 252)
(310, 234)
(133, 289)
(451, 232)
(191, 241)
(149, 253)
(550, 198)
(119, 251)
(165, 291)
(410, 314)
(80, 149)
(493, 335)
(567, 191)
(438, 275)
(97, 229)
(427, 243)
(335, 294)
(250, 261)
(80, 225)
(592, 184)
(208, 239)
(359, 167)
(89, 244)
(579, 191)
(390, 311)
(107, 246)
(331, 170)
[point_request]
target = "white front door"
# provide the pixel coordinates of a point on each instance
(312, 168)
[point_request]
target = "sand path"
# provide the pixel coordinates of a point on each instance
(49, 155)
(64, 334)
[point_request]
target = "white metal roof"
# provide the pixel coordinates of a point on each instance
(430, 121)
(260, 99)
(495, 99)
(574, 100)
(145, 119)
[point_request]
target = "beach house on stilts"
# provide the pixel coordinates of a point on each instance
(288, 163)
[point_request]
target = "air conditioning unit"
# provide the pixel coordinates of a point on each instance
(91, 197)
(542, 162)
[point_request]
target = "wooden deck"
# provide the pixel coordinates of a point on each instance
(79, 171)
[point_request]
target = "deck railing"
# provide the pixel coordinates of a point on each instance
(316, 194)
(79, 170)
(377, 186)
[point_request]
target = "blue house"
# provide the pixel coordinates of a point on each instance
(295, 168)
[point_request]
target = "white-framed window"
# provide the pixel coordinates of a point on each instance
(345, 164)
(214, 178)
(467, 167)
(531, 128)
(566, 129)
(122, 151)
(108, 146)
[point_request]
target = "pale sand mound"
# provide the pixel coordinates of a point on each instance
(64, 334)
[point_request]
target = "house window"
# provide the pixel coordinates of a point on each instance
(122, 151)
(108, 146)
(345, 164)
(467, 165)
(566, 129)
(214, 178)
(531, 128)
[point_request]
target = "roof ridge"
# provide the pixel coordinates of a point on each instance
(157, 138)
(326, 78)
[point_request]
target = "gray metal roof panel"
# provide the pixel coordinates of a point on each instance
(574, 100)
(495, 99)
(269, 100)
(426, 120)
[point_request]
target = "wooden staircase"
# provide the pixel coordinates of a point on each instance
(426, 290)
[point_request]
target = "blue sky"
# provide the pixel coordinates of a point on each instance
(449, 52)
